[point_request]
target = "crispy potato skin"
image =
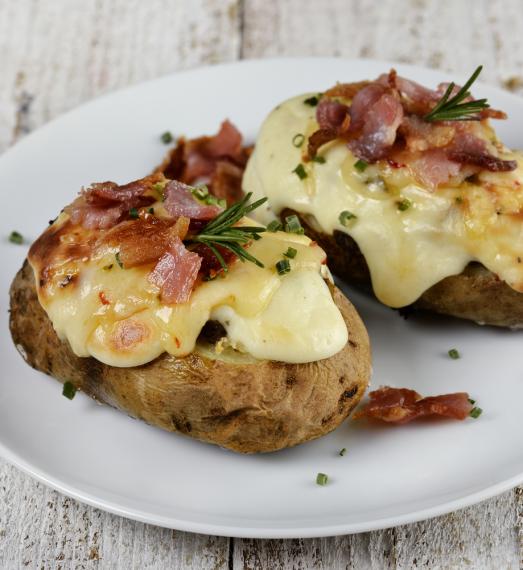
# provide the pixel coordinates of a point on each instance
(475, 294)
(245, 407)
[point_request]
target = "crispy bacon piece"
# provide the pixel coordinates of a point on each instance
(380, 122)
(179, 201)
(104, 204)
(145, 240)
(401, 405)
(217, 161)
(334, 121)
(175, 273)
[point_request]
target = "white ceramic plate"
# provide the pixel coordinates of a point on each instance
(389, 475)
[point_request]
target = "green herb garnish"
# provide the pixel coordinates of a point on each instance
(345, 218)
(293, 226)
(297, 140)
(108, 267)
(133, 213)
(222, 232)
(300, 172)
(69, 390)
(118, 260)
(167, 137)
(151, 210)
(322, 479)
(472, 401)
(16, 237)
(313, 101)
(404, 204)
(274, 226)
(453, 108)
(283, 266)
(454, 354)
(343, 451)
(159, 187)
(475, 413)
(361, 165)
(291, 253)
(319, 159)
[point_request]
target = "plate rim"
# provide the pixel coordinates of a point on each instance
(224, 529)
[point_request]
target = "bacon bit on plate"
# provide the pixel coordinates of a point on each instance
(401, 405)
(218, 161)
(175, 273)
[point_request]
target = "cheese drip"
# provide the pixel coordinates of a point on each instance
(115, 314)
(407, 250)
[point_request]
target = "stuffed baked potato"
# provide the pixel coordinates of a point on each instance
(89, 308)
(422, 208)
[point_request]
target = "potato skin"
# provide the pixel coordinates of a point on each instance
(476, 294)
(245, 407)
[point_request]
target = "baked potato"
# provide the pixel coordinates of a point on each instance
(423, 210)
(251, 348)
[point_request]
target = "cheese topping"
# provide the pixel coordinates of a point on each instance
(411, 237)
(115, 314)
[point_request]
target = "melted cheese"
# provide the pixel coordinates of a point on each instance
(115, 314)
(406, 251)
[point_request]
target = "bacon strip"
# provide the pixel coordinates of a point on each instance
(145, 240)
(179, 201)
(175, 273)
(401, 405)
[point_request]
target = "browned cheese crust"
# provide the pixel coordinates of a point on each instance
(246, 407)
(476, 294)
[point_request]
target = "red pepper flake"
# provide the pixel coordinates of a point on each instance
(394, 164)
(177, 341)
(103, 298)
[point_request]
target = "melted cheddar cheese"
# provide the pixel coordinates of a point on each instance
(408, 249)
(116, 316)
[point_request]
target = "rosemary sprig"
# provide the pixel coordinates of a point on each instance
(453, 109)
(222, 232)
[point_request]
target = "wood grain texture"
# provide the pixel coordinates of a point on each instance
(55, 55)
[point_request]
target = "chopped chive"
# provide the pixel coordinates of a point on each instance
(404, 204)
(133, 213)
(222, 202)
(300, 172)
(159, 188)
(297, 140)
(69, 390)
(319, 159)
(151, 210)
(322, 479)
(475, 413)
(201, 192)
(167, 137)
(51, 222)
(292, 225)
(108, 267)
(361, 165)
(313, 101)
(291, 253)
(345, 218)
(283, 266)
(16, 237)
(454, 354)
(274, 226)
(343, 451)
(118, 260)
(472, 401)
(459, 200)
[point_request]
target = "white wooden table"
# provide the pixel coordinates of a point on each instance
(56, 54)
